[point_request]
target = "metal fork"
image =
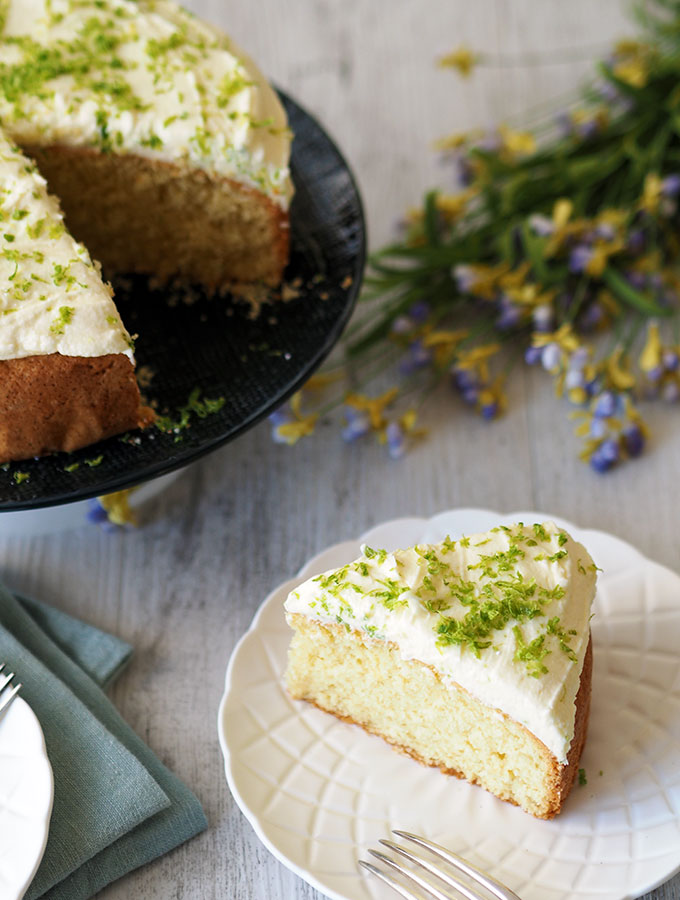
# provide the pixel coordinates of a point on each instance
(468, 887)
(7, 691)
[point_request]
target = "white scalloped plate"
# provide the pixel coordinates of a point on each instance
(319, 792)
(26, 791)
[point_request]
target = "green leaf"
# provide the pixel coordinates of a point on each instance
(630, 296)
(431, 219)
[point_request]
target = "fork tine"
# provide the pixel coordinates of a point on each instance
(433, 869)
(7, 694)
(5, 679)
(389, 880)
(495, 887)
(414, 877)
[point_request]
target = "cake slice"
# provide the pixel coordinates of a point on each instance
(164, 143)
(66, 364)
(472, 655)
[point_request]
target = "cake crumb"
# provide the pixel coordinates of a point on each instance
(145, 375)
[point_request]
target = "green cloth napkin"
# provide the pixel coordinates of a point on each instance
(116, 806)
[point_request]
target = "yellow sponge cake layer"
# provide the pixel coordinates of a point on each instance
(473, 656)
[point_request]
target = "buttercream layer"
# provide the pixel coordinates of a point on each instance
(142, 77)
(53, 299)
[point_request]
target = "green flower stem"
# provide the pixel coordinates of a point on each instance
(632, 297)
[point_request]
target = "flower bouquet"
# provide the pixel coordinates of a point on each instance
(559, 247)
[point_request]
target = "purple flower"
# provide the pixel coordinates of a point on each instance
(574, 379)
(598, 429)
(579, 258)
(465, 173)
(636, 241)
(280, 416)
(465, 277)
(491, 142)
(358, 424)
(402, 325)
(604, 457)
(96, 512)
(592, 317)
(671, 360)
(605, 231)
(418, 357)
(543, 317)
(464, 379)
(633, 439)
(419, 311)
(654, 375)
(606, 405)
(532, 355)
(489, 410)
(608, 91)
(509, 314)
(541, 225)
(396, 440)
(578, 358)
(587, 129)
(670, 186)
(551, 357)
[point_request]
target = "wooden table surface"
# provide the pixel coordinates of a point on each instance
(184, 588)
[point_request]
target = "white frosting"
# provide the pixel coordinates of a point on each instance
(53, 299)
(141, 76)
(388, 595)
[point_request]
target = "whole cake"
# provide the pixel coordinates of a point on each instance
(471, 655)
(169, 154)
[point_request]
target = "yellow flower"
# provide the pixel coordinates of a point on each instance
(562, 211)
(651, 193)
(599, 116)
(481, 280)
(456, 141)
(374, 406)
(321, 380)
(407, 422)
(531, 295)
(444, 343)
(650, 358)
(301, 426)
(477, 359)
(291, 432)
(632, 64)
(628, 47)
(602, 250)
(633, 71)
(515, 278)
(462, 59)
(564, 337)
(617, 368)
(492, 400)
(577, 396)
(118, 509)
(452, 206)
(517, 143)
(564, 226)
